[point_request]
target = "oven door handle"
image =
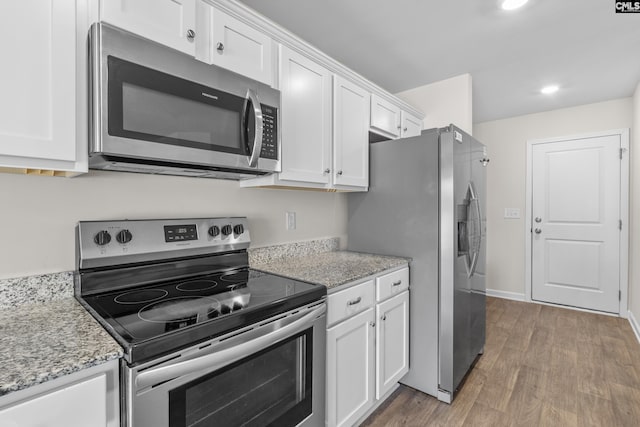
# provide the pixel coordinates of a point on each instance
(259, 127)
(219, 359)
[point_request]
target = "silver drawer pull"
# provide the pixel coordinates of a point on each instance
(398, 283)
(354, 301)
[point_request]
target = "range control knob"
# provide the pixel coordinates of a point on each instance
(102, 238)
(226, 230)
(238, 229)
(214, 231)
(124, 236)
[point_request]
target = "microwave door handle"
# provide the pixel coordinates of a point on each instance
(214, 361)
(257, 140)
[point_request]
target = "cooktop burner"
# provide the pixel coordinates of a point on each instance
(140, 296)
(196, 285)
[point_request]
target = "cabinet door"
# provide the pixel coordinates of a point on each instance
(38, 84)
(164, 21)
(234, 45)
(350, 134)
(350, 369)
(411, 125)
(392, 336)
(80, 405)
(385, 117)
(305, 106)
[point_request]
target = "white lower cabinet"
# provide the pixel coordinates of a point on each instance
(367, 345)
(86, 398)
(392, 337)
(350, 368)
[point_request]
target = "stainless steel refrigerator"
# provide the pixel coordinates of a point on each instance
(426, 201)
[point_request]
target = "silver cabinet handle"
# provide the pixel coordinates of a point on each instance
(216, 360)
(372, 324)
(191, 35)
(327, 170)
(538, 219)
(538, 231)
(384, 317)
(257, 140)
(339, 172)
(404, 130)
(220, 47)
(398, 283)
(355, 301)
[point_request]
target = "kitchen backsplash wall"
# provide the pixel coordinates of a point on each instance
(39, 214)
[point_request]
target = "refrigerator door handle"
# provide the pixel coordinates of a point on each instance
(475, 240)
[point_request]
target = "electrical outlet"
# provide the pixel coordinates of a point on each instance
(290, 220)
(512, 213)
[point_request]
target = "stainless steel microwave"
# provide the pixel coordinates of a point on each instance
(158, 110)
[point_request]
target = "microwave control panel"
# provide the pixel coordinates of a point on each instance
(269, 133)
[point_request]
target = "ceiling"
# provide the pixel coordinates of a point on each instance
(583, 46)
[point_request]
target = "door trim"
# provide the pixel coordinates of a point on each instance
(624, 211)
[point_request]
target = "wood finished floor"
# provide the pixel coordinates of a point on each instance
(542, 366)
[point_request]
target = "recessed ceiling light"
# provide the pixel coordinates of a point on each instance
(548, 90)
(513, 4)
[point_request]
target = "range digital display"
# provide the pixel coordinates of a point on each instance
(180, 233)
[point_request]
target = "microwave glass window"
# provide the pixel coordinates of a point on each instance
(165, 115)
(272, 387)
(149, 105)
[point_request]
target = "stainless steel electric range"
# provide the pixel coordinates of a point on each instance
(207, 341)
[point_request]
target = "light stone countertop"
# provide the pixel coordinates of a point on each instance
(331, 269)
(44, 341)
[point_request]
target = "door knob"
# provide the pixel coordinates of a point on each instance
(538, 219)
(538, 231)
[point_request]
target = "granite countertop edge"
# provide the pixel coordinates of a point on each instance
(332, 269)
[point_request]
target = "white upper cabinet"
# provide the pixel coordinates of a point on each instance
(169, 22)
(385, 117)
(232, 44)
(305, 119)
(350, 134)
(43, 86)
(411, 125)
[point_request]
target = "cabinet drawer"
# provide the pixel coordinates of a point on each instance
(345, 304)
(392, 284)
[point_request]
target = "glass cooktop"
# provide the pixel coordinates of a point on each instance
(220, 302)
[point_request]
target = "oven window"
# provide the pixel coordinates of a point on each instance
(149, 105)
(269, 388)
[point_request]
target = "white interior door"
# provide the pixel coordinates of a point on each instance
(575, 226)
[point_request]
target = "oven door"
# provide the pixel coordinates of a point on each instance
(271, 374)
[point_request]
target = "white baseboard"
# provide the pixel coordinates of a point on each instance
(634, 325)
(506, 295)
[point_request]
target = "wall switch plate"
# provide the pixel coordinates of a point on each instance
(512, 213)
(290, 220)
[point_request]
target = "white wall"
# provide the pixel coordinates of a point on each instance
(634, 229)
(506, 144)
(444, 102)
(38, 214)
